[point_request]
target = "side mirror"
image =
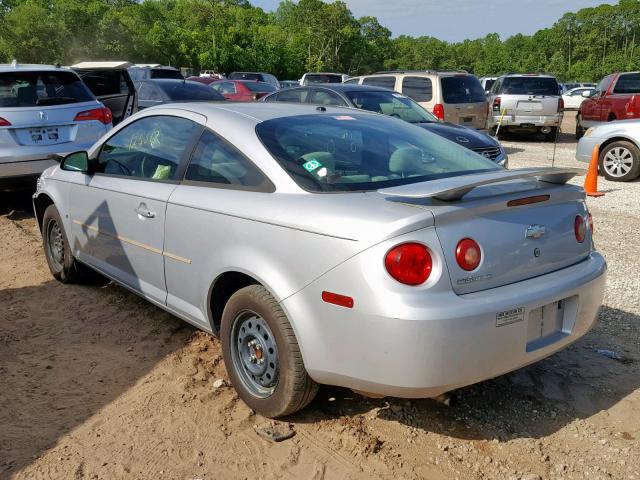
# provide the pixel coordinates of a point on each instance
(76, 162)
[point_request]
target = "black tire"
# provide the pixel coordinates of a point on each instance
(551, 136)
(628, 153)
(63, 266)
(579, 127)
(292, 388)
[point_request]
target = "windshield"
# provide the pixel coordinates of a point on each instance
(38, 89)
(322, 78)
(189, 92)
(260, 87)
(392, 104)
(462, 89)
(336, 153)
(530, 86)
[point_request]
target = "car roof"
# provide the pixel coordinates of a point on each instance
(343, 87)
(324, 73)
(31, 67)
(543, 75)
(98, 65)
(167, 80)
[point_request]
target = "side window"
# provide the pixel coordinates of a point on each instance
(325, 97)
(216, 161)
(384, 82)
(227, 87)
(150, 148)
(149, 92)
(352, 80)
(294, 95)
(419, 89)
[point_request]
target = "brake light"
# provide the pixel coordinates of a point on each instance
(4, 123)
(579, 228)
(496, 104)
(468, 254)
(632, 107)
(438, 111)
(590, 222)
(409, 263)
(102, 114)
(560, 104)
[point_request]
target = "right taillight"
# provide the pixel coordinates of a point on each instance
(102, 115)
(4, 122)
(409, 263)
(579, 228)
(496, 104)
(468, 254)
(438, 111)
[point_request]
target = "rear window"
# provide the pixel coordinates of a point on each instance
(462, 89)
(628, 83)
(418, 88)
(530, 86)
(260, 87)
(392, 104)
(38, 89)
(356, 152)
(190, 92)
(322, 78)
(165, 73)
(384, 82)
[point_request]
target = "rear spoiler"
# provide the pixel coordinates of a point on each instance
(454, 188)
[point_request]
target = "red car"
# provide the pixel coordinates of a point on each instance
(617, 97)
(242, 90)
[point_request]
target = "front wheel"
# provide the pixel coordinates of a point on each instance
(620, 161)
(262, 355)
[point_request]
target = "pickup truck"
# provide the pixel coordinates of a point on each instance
(617, 97)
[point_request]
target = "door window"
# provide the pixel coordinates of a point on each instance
(150, 148)
(294, 95)
(225, 87)
(216, 161)
(324, 97)
(384, 82)
(419, 89)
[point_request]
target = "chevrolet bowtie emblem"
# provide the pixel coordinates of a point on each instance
(535, 231)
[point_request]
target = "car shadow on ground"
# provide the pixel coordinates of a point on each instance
(564, 138)
(16, 205)
(532, 402)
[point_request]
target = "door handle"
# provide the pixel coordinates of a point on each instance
(143, 211)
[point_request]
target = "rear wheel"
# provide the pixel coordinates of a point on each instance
(620, 161)
(579, 127)
(262, 355)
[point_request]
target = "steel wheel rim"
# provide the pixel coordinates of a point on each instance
(55, 244)
(254, 354)
(618, 161)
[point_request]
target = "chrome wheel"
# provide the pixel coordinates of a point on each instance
(55, 244)
(254, 353)
(618, 162)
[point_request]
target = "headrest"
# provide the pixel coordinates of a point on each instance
(406, 161)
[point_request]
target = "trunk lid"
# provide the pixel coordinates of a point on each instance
(517, 242)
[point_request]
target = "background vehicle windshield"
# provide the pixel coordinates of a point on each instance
(392, 104)
(462, 89)
(329, 152)
(260, 87)
(628, 83)
(190, 92)
(322, 78)
(37, 89)
(530, 86)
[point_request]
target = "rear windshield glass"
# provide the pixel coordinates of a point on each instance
(628, 83)
(260, 87)
(530, 86)
(189, 92)
(329, 152)
(392, 104)
(37, 89)
(165, 73)
(323, 78)
(462, 89)
(245, 76)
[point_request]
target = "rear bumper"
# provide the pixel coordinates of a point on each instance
(519, 120)
(445, 342)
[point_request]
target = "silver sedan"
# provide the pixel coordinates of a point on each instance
(619, 149)
(328, 245)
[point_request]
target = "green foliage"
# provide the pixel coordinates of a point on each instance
(306, 35)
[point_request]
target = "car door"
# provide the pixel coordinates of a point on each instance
(114, 88)
(118, 212)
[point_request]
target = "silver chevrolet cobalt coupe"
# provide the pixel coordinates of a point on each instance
(328, 245)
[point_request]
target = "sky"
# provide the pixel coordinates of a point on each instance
(456, 20)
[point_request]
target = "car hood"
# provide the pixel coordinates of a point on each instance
(467, 137)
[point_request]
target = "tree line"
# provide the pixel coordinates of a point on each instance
(308, 35)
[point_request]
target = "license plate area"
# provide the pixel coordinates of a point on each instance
(466, 119)
(42, 135)
(550, 323)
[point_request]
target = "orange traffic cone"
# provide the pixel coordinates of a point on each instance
(591, 181)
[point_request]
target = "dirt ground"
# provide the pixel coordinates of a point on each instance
(96, 383)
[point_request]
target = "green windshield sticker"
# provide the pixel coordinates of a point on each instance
(311, 165)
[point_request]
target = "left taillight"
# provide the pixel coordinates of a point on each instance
(4, 122)
(579, 228)
(560, 104)
(409, 263)
(103, 115)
